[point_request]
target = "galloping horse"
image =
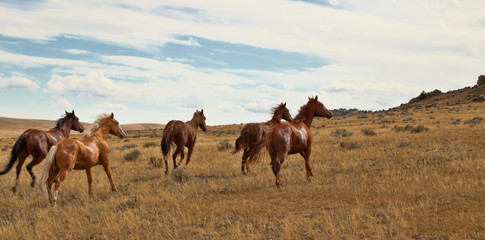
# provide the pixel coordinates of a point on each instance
(182, 134)
(71, 154)
(286, 139)
(38, 142)
(252, 133)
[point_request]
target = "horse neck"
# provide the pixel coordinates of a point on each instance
(66, 128)
(305, 116)
(275, 119)
(102, 132)
(194, 123)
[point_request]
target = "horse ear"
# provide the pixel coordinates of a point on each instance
(112, 115)
(73, 111)
(316, 97)
(201, 110)
(66, 112)
(284, 104)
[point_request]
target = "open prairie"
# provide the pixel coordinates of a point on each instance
(414, 172)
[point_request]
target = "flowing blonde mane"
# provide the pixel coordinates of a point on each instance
(97, 123)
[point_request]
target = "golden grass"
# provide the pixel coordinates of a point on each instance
(394, 185)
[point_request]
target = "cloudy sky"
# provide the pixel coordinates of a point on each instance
(153, 61)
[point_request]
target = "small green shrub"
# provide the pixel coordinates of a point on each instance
(456, 122)
(419, 129)
(150, 144)
(132, 156)
(155, 162)
(368, 132)
(397, 128)
(180, 175)
(129, 146)
(410, 128)
(349, 145)
(340, 133)
(224, 145)
(475, 120)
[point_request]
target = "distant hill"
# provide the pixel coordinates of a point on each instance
(436, 98)
(13, 127)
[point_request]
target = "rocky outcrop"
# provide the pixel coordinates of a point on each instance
(481, 80)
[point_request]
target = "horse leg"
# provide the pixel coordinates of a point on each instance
(277, 167)
(35, 161)
(306, 156)
(22, 158)
(189, 154)
(59, 180)
(166, 163)
(244, 167)
(174, 156)
(50, 181)
(108, 172)
(90, 181)
(178, 150)
(182, 156)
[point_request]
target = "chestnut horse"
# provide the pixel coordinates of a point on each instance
(183, 134)
(71, 154)
(252, 133)
(38, 142)
(286, 139)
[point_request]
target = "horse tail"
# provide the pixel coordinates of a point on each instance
(241, 143)
(256, 155)
(166, 141)
(18, 147)
(45, 171)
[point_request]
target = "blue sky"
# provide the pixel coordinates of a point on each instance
(153, 61)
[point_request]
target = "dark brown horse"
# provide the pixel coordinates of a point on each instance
(252, 133)
(183, 134)
(38, 142)
(286, 139)
(71, 154)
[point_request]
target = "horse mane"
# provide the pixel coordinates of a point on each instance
(273, 109)
(61, 121)
(97, 124)
(303, 112)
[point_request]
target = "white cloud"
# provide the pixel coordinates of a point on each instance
(112, 106)
(31, 61)
(92, 84)
(18, 82)
(75, 51)
(63, 102)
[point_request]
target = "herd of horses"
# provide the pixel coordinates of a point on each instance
(63, 154)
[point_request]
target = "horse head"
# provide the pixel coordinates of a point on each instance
(200, 119)
(319, 109)
(115, 128)
(76, 124)
(283, 112)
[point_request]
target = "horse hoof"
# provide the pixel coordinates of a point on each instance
(32, 184)
(14, 189)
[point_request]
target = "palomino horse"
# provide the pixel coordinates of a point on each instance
(252, 133)
(38, 142)
(182, 134)
(286, 139)
(71, 154)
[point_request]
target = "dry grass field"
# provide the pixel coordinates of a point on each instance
(415, 172)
